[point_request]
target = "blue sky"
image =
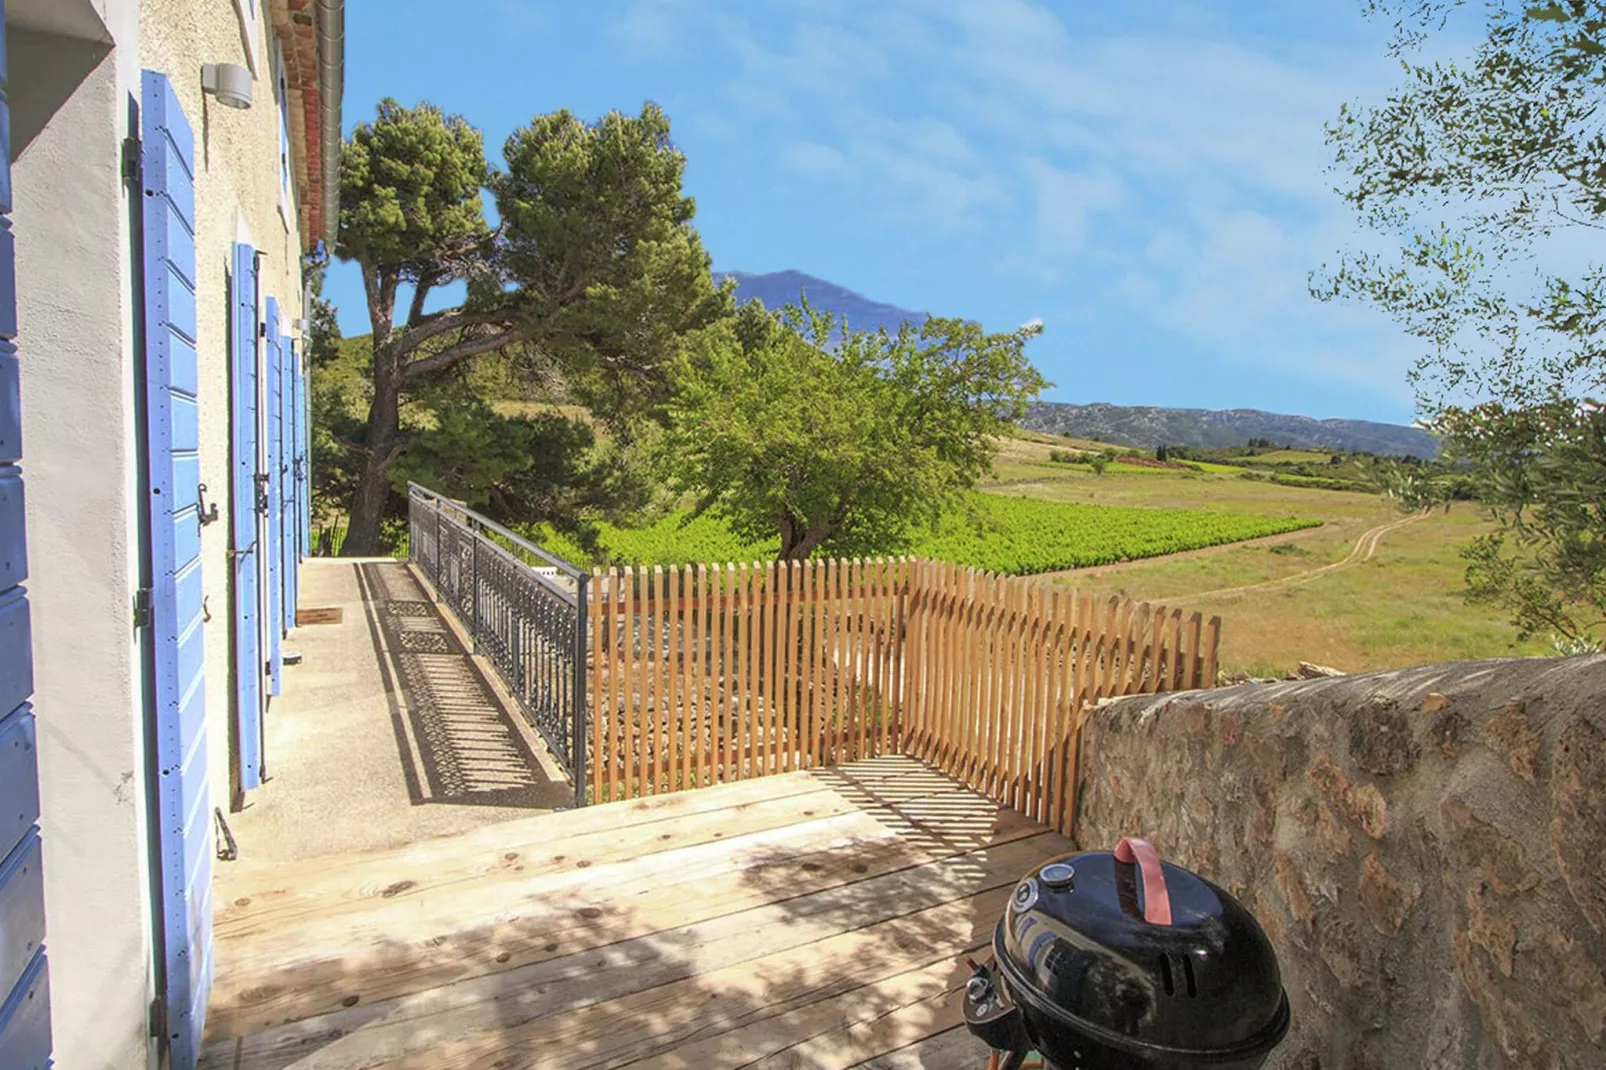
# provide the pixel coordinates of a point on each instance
(1148, 179)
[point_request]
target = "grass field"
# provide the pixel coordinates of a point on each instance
(1401, 607)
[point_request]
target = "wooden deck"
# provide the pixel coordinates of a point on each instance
(816, 919)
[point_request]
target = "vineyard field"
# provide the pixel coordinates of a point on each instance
(1012, 535)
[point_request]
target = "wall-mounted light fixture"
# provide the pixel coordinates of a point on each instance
(229, 82)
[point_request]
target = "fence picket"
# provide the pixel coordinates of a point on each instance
(770, 616)
(693, 756)
(794, 638)
(883, 730)
(985, 699)
(674, 654)
(1040, 643)
(966, 669)
(724, 582)
(1061, 669)
(1026, 717)
(1212, 649)
(630, 708)
(938, 599)
(600, 672)
(863, 646)
(737, 577)
(1010, 697)
(975, 670)
(817, 707)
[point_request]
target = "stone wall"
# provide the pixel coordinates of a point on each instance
(1426, 848)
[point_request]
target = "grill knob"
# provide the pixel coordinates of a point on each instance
(1059, 876)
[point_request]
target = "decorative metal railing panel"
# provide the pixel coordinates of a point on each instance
(525, 610)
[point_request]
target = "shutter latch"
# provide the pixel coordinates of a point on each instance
(143, 612)
(133, 170)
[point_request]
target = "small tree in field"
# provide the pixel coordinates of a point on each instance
(847, 440)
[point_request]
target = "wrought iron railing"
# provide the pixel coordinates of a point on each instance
(524, 608)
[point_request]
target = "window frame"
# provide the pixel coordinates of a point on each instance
(250, 14)
(281, 99)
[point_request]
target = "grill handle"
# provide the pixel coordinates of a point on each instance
(1156, 900)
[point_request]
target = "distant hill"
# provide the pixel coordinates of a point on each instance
(1147, 426)
(782, 287)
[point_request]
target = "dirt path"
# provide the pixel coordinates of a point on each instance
(1365, 547)
(1180, 555)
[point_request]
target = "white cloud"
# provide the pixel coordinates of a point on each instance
(649, 30)
(813, 160)
(1064, 205)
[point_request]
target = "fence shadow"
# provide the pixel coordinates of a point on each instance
(457, 740)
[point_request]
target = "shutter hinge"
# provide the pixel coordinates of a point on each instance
(133, 170)
(158, 1017)
(143, 612)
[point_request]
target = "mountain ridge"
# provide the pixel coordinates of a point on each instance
(1149, 426)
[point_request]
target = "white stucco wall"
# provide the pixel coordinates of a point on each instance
(236, 198)
(75, 337)
(76, 302)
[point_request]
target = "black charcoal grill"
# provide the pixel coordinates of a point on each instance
(1115, 960)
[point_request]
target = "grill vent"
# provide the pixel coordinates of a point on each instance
(1169, 979)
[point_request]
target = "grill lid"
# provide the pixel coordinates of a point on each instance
(1122, 948)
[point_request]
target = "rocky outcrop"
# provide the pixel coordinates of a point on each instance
(1426, 848)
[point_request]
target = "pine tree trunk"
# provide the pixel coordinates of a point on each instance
(373, 486)
(367, 508)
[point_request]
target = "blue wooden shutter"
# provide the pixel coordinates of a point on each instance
(304, 453)
(295, 537)
(248, 696)
(24, 973)
(287, 485)
(273, 526)
(172, 411)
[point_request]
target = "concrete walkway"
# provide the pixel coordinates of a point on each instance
(388, 731)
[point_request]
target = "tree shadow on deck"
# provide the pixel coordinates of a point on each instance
(836, 946)
(458, 739)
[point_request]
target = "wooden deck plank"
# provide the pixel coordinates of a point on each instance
(952, 1049)
(316, 877)
(745, 998)
(779, 1041)
(885, 771)
(677, 955)
(273, 911)
(392, 883)
(883, 1033)
(917, 830)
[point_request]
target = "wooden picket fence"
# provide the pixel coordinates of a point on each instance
(714, 673)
